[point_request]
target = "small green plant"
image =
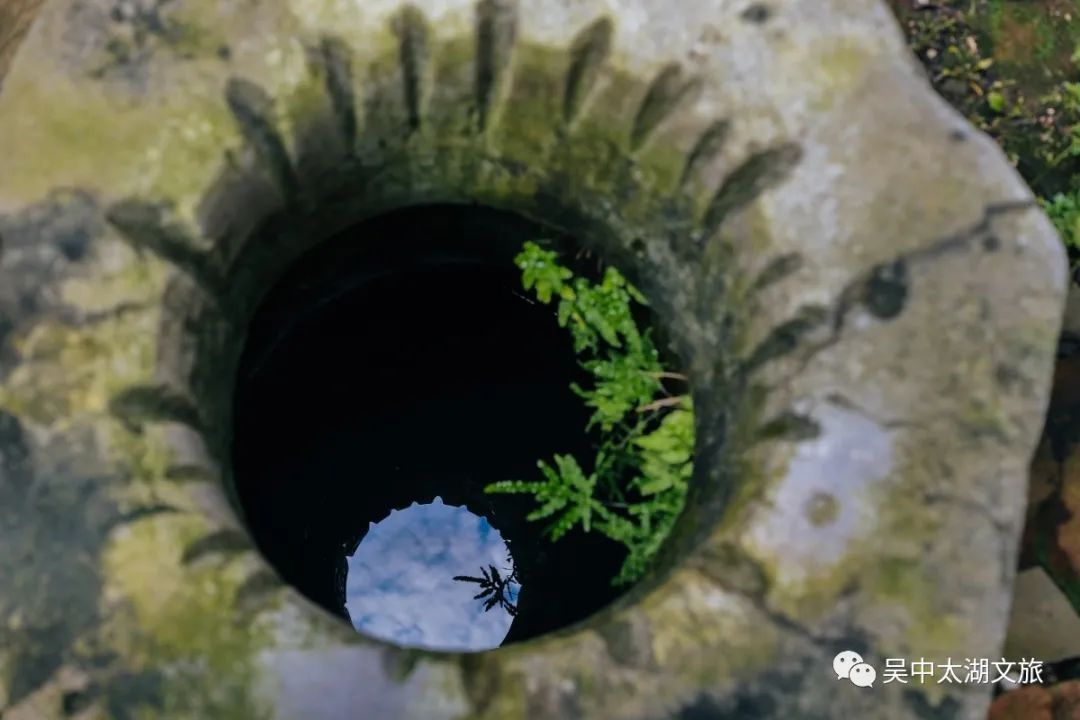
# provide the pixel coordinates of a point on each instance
(1062, 200)
(1039, 131)
(635, 486)
(1064, 211)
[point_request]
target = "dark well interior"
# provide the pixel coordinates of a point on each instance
(400, 361)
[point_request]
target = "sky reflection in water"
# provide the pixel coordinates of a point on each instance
(401, 585)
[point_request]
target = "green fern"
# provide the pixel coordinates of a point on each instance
(566, 492)
(667, 453)
(644, 461)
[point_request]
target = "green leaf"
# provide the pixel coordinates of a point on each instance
(1064, 211)
(513, 487)
(548, 509)
(564, 524)
(1072, 93)
(541, 272)
(996, 101)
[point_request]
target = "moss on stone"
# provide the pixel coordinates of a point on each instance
(71, 135)
(72, 370)
(178, 621)
(695, 613)
(900, 580)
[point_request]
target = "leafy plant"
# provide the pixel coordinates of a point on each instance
(1064, 211)
(566, 492)
(639, 476)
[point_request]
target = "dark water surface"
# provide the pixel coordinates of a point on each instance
(400, 363)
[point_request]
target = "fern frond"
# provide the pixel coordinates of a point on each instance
(643, 465)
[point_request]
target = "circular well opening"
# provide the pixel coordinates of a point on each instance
(399, 363)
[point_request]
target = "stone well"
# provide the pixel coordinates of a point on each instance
(863, 291)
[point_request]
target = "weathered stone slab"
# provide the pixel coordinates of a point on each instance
(864, 293)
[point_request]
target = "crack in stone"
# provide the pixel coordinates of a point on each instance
(73, 317)
(854, 291)
(957, 419)
(842, 401)
(757, 598)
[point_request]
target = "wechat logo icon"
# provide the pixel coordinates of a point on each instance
(849, 665)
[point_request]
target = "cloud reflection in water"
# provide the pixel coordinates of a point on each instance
(401, 585)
